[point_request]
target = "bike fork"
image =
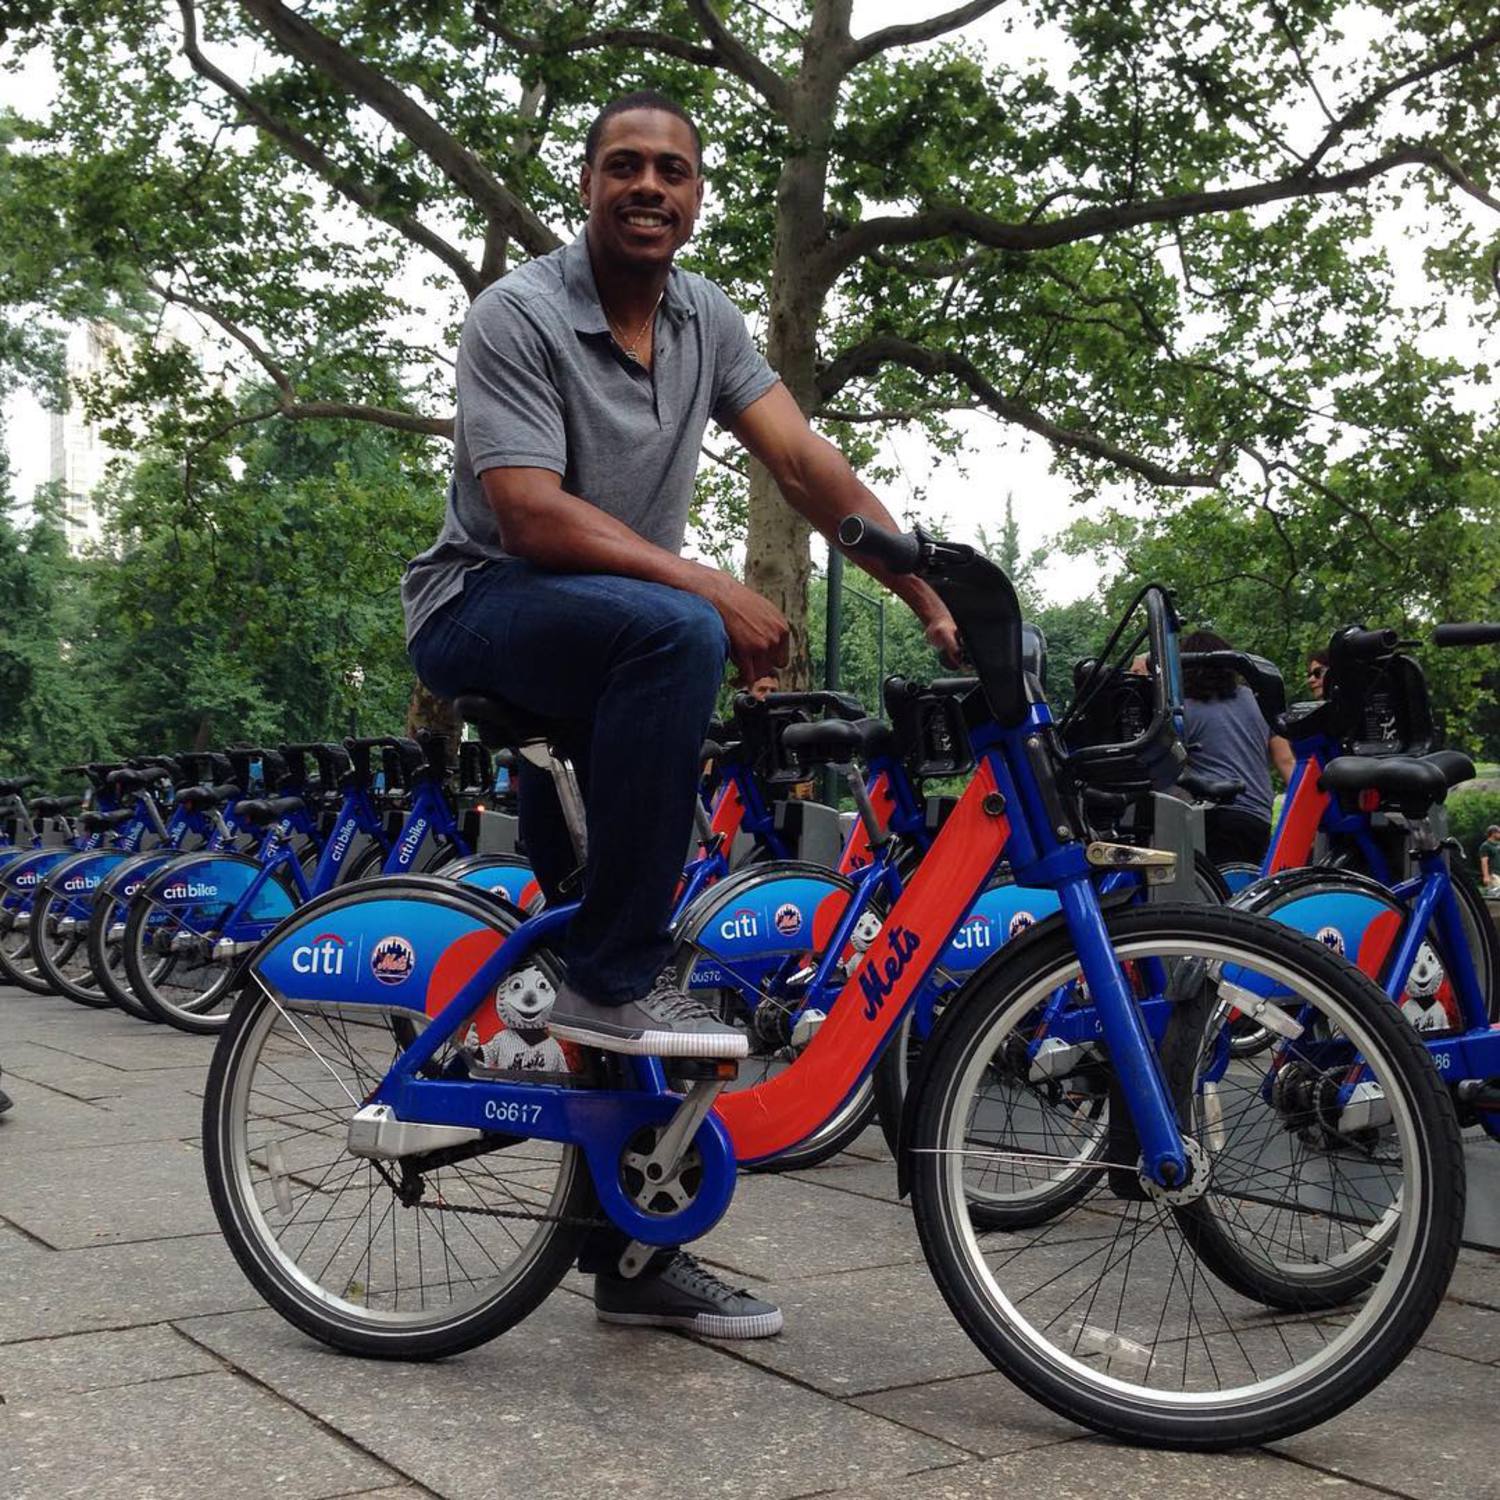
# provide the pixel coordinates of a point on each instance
(1164, 1158)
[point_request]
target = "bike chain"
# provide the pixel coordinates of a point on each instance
(404, 1196)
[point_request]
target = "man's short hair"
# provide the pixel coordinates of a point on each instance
(640, 99)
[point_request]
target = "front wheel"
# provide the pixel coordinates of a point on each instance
(18, 966)
(1331, 1166)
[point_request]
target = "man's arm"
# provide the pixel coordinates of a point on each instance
(1282, 757)
(541, 522)
(818, 483)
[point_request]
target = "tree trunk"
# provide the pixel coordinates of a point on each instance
(428, 711)
(778, 563)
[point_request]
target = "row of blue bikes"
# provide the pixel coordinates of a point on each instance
(1244, 1271)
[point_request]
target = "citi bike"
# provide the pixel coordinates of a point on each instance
(193, 920)
(71, 889)
(21, 876)
(391, 1193)
(1367, 775)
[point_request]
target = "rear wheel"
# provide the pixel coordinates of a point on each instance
(394, 1260)
(60, 949)
(107, 956)
(169, 962)
(762, 994)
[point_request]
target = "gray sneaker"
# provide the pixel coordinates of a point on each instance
(685, 1294)
(665, 1023)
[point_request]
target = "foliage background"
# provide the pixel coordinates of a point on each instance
(1162, 256)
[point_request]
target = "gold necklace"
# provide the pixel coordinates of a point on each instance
(628, 350)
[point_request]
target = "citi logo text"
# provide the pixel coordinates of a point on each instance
(324, 955)
(740, 924)
(975, 933)
(189, 890)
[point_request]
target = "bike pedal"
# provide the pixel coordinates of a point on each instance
(701, 1069)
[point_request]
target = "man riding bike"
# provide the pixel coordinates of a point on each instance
(586, 379)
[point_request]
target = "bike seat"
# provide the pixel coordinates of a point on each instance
(19, 784)
(97, 822)
(504, 726)
(839, 740)
(49, 807)
(1454, 764)
(1215, 789)
(208, 796)
(262, 810)
(1412, 785)
(128, 780)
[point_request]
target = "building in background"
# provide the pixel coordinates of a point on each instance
(79, 455)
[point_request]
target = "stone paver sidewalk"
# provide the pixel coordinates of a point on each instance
(136, 1361)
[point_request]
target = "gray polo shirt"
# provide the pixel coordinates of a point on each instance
(542, 385)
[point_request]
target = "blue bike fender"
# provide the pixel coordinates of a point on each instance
(1001, 913)
(21, 878)
(503, 874)
(193, 879)
(407, 943)
(132, 873)
(80, 877)
(778, 914)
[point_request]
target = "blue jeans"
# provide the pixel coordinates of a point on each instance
(637, 666)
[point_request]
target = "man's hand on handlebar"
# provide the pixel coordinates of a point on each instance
(942, 635)
(759, 637)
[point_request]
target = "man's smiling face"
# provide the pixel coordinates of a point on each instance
(643, 189)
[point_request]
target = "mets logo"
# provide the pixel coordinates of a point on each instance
(788, 919)
(1019, 923)
(1331, 937)
(393, 960)
(880, 973)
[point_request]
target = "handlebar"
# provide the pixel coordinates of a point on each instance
(1475, 634)
(979, 595)
(1364, 645)
(836, 705)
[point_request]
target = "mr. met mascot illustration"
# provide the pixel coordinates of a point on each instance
(523, 1006)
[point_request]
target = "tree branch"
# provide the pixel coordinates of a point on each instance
(313, 156)
(897, 414)
(739, 59)
(957, 218)
(462, 168)
(865, 47)
(1296, 50)
(641, 38)
(886, 349)
(1347, 507)
(288, 403)
(1362, 109)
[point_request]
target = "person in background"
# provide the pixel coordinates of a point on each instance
(1489, 858)
(1227, 737)
(1317, 670)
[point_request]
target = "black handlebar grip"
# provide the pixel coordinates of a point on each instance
(898, 551)
(1369, 642)
(1466, 635)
